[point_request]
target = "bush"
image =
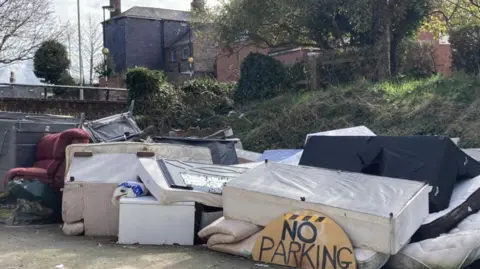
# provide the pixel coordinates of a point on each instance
(465, 44)
(204, 98)
(419, 61)
(337, 67)
(261, 77)
(297, 73)
(157, 102)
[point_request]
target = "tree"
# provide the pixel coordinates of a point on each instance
(93, 45)
(51, 62)
(327, 24)
(24, 25)
(109, 71)
(447, 15)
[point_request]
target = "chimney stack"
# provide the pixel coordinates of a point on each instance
(118, 8)
(197, 4)
(12, 77)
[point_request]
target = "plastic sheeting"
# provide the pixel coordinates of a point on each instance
(223, 151)
(431, 159)
(382, 213)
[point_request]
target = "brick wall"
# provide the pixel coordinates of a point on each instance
(115, 42)
(228, 64)
(443, 54)
(143, 43)
(92, 109)
(205, 52)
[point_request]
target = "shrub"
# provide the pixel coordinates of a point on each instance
(297, 73)
(157, 102)
(142, 82)
(204, 98)
(419, 60)
(261, 77)
(465, 44)
(337, 67)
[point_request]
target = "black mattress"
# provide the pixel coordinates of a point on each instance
(434, 160)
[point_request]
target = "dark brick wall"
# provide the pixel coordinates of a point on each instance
(143, 43)
(115, 42)
(174, 30)
(138, 42)
(92, 109)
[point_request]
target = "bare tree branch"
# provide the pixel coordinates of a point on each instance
(24, 25)
(93, 44)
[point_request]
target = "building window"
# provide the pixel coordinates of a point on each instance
(186, 53)
(173, 55)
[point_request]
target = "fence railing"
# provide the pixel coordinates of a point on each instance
(62, 92)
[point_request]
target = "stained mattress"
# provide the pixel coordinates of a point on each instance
(465, 201)
(457, 249)
(113, 163)
(377, 213)
(154, 178)
(171, 151)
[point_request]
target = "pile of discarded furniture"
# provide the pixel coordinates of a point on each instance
(347, 199)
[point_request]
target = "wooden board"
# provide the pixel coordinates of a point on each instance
(305, 239)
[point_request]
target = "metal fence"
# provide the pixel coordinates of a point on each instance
(27, 91)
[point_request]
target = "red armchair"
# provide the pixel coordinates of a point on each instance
(49, 166)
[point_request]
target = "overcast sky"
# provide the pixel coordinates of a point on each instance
(67, 9)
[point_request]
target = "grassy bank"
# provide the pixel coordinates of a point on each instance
(434, 106)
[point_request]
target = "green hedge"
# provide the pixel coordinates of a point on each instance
(261, 77)
(465, 44)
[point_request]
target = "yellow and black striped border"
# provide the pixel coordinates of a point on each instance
(313, 219)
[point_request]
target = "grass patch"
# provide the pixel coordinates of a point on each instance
(433, 106)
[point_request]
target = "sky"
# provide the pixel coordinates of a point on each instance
(66, 10)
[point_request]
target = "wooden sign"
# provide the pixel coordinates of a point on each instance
(307, 240)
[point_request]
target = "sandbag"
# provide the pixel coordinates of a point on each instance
(224, 231)
(73, 229)
(242, 248)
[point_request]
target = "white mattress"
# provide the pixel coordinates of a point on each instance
(175, 152)
(367, 259)
(153, 178)
(116, 162)
(457, 249)
(113, 163)
(248, 155)
(354, 131)
(474, 153)
(460, 194)
(377, 213)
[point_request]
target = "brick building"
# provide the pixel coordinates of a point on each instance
(158, 39)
